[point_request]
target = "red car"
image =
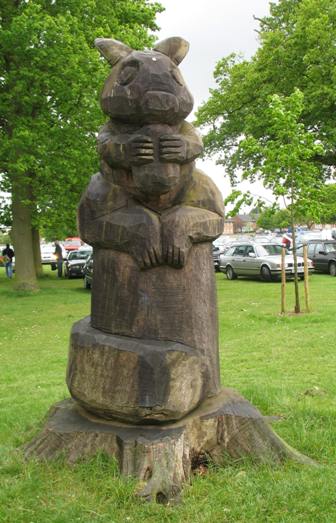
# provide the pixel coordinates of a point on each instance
(72, 244)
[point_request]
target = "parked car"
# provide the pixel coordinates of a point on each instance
(74, 264)
(72, 244)
(222, 240)
(215, 255)
(303, 237)
(256, 259)
(323, 255)
(88, 272)
(47, 254)
(220, 245)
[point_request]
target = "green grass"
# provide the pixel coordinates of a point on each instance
(271, 360)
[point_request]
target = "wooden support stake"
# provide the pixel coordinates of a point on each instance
(306, 278)
(283, 280)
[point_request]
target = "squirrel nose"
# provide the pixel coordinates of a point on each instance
(159, 101)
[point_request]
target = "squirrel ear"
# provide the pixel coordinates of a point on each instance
(112, 50)
(174, 47)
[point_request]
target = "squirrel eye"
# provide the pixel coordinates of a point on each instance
(127, 74)
(177, 76)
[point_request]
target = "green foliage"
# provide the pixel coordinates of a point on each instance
(297, 51)
(4, 238)
(328, 202)
(274, 218)
(238, 199)
(5, 211)
(282, 160)
(49, 86)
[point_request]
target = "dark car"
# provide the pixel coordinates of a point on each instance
(88, 272)
(323, 255)
(215, 254)
(74, 264)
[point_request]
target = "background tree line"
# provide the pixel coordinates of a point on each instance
(273, 217)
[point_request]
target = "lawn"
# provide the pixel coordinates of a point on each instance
(284, 365)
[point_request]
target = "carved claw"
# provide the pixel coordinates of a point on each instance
(175, 256)
(155, 257)
(172, 148)
(152, 257)
(141, 150)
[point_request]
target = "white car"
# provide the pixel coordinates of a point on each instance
(47, 253)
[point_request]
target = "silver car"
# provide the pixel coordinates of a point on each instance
(258, 259)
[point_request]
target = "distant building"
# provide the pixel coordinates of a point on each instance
(228, 226)
(244, 223)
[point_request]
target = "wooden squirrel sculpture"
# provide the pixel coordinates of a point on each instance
(150, 216)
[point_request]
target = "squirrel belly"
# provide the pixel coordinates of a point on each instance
(194, 215)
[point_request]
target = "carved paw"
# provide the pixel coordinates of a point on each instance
(176, 240)
(145, 244)
(140, 150)
(148, 257)
(173, 148)
(175, 255)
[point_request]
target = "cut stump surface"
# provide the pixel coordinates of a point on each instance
(163, 457)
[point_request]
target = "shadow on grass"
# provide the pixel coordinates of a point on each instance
(82, 290)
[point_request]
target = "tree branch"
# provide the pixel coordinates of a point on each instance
(326, 159)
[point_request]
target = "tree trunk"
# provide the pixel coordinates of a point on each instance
(25, 274)
(37, 252)
(283, 280)
(163, 457)
(297, 308)
(306, 278)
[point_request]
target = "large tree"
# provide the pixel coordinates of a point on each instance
(297, 50)
(49, 112)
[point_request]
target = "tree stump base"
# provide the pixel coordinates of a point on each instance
(163, 457)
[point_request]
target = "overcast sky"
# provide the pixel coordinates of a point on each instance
(214, 29)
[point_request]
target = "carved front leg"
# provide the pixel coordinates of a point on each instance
(183, 226)
(123, 151)
(182, 147)
(134, 230)
(173, 148)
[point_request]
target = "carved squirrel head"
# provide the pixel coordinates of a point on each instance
(145, 87)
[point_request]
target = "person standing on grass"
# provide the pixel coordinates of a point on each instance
(8, 254)
(59, 256)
